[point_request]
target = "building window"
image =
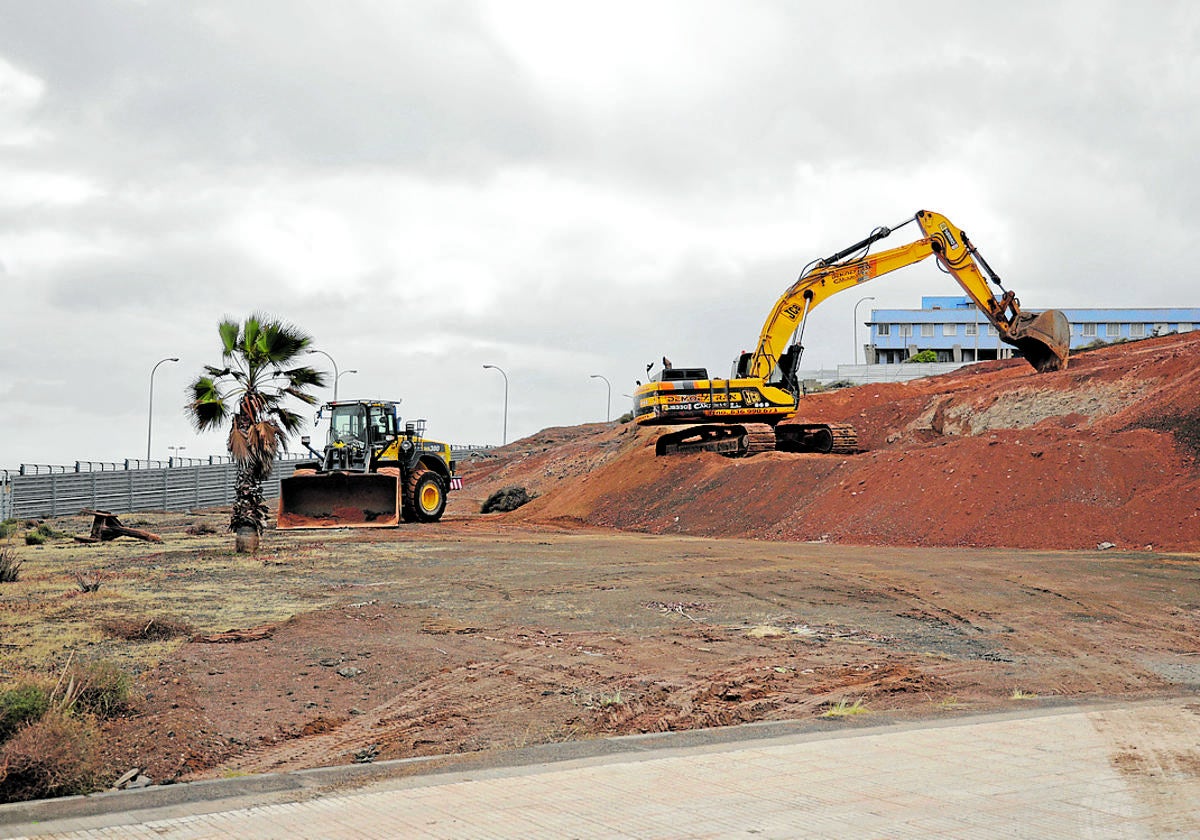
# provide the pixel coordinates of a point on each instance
(972, 329)
(1160, 329)
(950, 329)
(992, 329)
(1137, 330)
(1089, 330)
(927, 330)
(905, 330)
(1112, 330)
(883, 329)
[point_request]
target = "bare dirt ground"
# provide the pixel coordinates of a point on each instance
(952, 566)
(476, 636)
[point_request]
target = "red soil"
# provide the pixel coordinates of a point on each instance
(991, 455)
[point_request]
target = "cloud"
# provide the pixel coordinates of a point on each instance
(559, 189)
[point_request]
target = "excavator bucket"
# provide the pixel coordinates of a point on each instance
(1044, 339)
(339, 500)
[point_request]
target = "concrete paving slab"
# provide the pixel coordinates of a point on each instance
(1129, 771)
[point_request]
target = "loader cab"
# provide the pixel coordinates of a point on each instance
(364, 424)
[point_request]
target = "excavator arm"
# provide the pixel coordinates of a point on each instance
(1044, 339)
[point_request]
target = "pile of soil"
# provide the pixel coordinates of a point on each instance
(991, 455)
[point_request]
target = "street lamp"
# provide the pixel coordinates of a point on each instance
(335, 370)
(856, 328)
(607, 405)
(178, 450)
(335, 381)
(150, 419)
(505, 375)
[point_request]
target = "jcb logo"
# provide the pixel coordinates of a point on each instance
(951, 241)
(792, 311)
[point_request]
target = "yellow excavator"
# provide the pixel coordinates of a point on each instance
(743, 415)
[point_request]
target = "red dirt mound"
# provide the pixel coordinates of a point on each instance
(991, 455)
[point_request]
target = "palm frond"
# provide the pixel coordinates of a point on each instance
(206, 408)
(237, 445)
(305, 377)
(249, 343)
(229, 329)
(290, 421)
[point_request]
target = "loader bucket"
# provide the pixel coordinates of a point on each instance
(1044, 339)
(339, 500)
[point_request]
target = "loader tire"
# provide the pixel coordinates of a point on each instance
(425, 496)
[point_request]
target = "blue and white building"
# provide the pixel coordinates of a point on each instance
(957, 331)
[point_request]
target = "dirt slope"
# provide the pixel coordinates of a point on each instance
(992, 455)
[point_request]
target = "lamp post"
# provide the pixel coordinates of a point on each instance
(335, 381)
(335, 370)
(178, 450)
(504, 440)
(856, 327)
(607, 405)
(150, 412)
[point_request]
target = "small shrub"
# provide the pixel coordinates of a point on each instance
(8, 527)
(924, 357)
(90, 581)
(101, 688)
(56, 755)
(506, 499)
(20, 705)
(34, 538)
(49, 531)
(158, 628)
(199, 529)
(10, 566)
(843, 709)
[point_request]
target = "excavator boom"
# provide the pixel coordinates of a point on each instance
(1043, 341)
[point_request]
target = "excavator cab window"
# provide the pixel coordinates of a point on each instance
(683, 374)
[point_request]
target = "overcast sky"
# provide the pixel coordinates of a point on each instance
(558, 188)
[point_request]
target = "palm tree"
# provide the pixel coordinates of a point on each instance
(260, 374)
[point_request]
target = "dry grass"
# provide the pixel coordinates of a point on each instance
(10, 565)
(56, 755)
(842, 709)
(152, 592)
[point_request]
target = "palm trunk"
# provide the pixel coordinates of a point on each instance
(249, 515)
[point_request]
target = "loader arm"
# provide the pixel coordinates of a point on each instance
(1044, 339)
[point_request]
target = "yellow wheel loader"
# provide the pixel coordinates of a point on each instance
(370, 474)
(755, 410)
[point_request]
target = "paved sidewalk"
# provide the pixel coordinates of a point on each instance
(1124, 772)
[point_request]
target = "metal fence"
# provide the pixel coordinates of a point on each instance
(45, 494)
(44, 490)
(5, 495)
